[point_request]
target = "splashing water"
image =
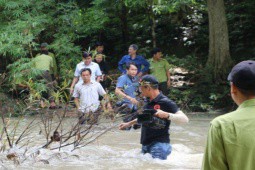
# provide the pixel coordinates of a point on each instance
(114, 150)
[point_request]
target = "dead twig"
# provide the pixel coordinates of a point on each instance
(5, 130)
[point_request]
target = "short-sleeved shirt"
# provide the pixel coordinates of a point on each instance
(88, 95)
(43, 62)
(159, 69)
(95, 70)
(130, 86)
(231, 140)
(150, 135)
(138, 60)
(54, 70)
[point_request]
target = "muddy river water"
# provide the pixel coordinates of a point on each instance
(118, 150)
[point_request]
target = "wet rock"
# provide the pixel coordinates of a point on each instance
(181, 78)
(44, 161)
(11, 156)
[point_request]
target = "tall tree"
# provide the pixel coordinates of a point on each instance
(219, 56)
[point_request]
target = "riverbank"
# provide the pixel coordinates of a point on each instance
(184, 91)
(16, 107)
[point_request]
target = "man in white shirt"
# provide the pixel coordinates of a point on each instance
(86, 63)
(86, 94)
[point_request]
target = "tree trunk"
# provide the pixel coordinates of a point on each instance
(219, 59)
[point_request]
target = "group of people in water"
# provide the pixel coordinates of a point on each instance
(230, 143)
(141, 81)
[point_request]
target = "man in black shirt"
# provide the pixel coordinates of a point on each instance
(155, 139)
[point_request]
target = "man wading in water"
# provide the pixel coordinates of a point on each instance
(127, 87)
(86, 97)
(155, 132)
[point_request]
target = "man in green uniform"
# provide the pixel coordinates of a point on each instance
(159, 68)
(44, 63)
(231, 139)
(54, 69)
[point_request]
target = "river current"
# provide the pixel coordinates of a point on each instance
(114, 150)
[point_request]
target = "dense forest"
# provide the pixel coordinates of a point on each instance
(206, 38)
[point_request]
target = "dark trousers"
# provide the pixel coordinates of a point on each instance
(50, 88)
(89, 118)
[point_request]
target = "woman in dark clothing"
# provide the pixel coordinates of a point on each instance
(105, 82)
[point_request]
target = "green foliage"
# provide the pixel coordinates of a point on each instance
(202, 94)
(72, 26)
(10, 107)
(202, 97)
(95, 17)
(23, 75)
(27, 23)
(240, 15)
(184, 62)
(20, 26)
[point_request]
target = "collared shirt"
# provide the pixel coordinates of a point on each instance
(159, 69)
(43, 62)
(231, 140)
(95, 70)
(150, 135)
(130, 86)
(139, 60)
(54, 70)
(88, 95)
